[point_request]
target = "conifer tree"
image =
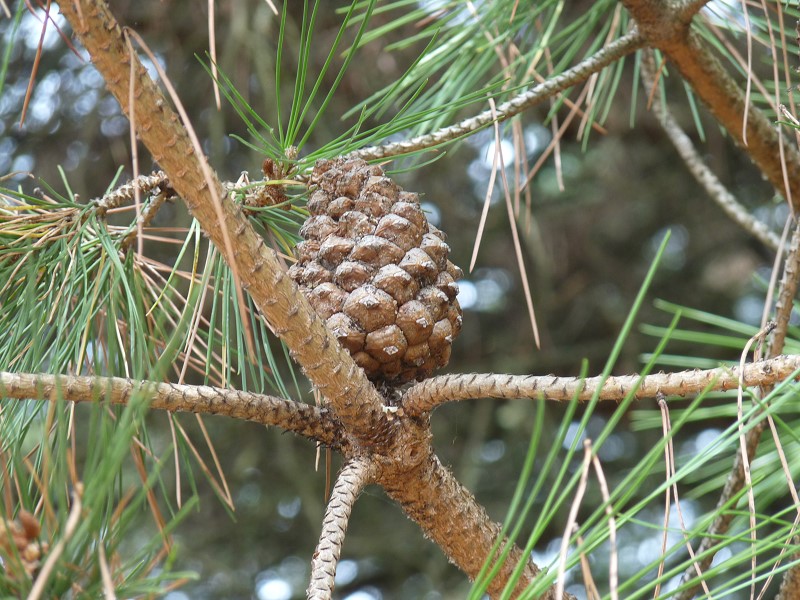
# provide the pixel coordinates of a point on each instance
(324, 262)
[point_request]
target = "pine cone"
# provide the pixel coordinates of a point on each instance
(377, 271)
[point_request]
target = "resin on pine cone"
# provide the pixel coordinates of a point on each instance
(377, 271)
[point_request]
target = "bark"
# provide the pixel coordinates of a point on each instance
(667, 26)
(354, 476)
(448, 514)
(302, 419)
(426, 395)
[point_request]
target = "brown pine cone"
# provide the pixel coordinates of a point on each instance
(377, 271)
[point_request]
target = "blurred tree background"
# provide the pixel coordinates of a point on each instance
(587, 248)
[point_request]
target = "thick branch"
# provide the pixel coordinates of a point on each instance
(449, 515)
(303, 419)
(609, 54)
(698, 168)
(666, 26)
(354, 476)
(326, 363)
(426, 395)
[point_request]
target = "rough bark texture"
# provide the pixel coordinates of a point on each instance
(305, 420)
(667, 28)
(354, 476)
(426, 395)
(447, 513)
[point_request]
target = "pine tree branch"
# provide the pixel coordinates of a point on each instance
(689, 8)
(697, 167)
(425, 396)
(449, 515)
(736, 478)
(666, 26)
(126, 192)
(305, 420)
(604, 57)
(790, 585)
(784, 304)
(399, 445)
(322, 358)
(354, 476)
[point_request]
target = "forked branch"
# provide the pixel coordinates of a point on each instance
(425, 396)
(324, 360)
(309, 421)
(354, 476)
(354, 400)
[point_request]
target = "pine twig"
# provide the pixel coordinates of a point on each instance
(303, 419)
(704, 176)
(784, 304)
(737, 477)
(354, 476)
(126, 192)
(790, 586)
(604, 57)
(427, 395)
